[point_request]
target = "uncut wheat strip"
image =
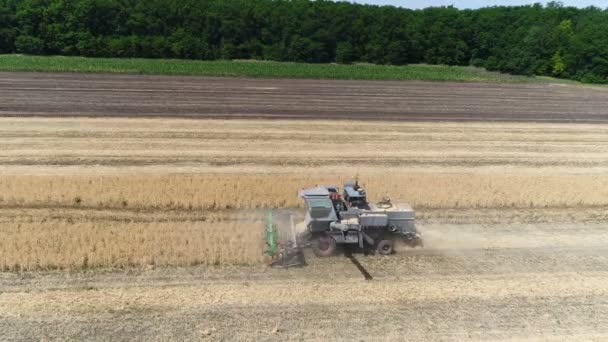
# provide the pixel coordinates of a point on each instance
(255, 191)
(59, 243)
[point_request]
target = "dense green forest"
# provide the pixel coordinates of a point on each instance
(549, 40)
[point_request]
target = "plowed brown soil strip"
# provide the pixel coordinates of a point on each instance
(56, 94)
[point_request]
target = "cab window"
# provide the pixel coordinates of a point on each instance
(321, 203)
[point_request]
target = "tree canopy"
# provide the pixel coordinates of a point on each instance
(549, 40)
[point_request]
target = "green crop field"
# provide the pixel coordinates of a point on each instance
(257, 69)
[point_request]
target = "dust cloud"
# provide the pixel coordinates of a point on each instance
(451, 237)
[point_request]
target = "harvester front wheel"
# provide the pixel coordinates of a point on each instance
(324, 246)
(385, 247)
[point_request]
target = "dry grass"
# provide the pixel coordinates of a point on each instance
(238, 191)
(70, 242)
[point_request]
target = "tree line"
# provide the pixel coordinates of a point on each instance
(548, 40)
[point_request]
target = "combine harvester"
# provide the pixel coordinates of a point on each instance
(347, 220)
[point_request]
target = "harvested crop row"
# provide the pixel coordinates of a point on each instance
(37, 146)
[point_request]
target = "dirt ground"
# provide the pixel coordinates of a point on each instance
(138, 95)
(500, 282)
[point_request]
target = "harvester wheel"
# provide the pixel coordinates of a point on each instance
(324, 246)
(385, 247)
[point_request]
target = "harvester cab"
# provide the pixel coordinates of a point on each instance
(348, 219)
(355, 196)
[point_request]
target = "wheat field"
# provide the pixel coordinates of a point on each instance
(43, 240)
(116, 192)
(241, 191)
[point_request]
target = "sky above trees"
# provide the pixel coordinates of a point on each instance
(479, 3)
